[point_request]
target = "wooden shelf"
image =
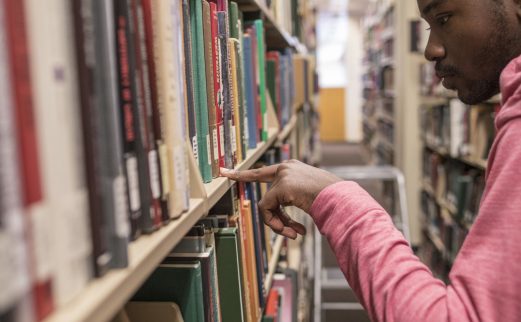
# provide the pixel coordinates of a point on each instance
(290, 127)
(276, 36)
(104, 296)
(443, 151)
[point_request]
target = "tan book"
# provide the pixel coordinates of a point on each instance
(251, 255)
(167, 25)
(153, 312)
(299, 80)
(236, 105)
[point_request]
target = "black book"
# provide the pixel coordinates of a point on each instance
(135, 159)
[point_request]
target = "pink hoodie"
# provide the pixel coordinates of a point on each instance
(391, 282)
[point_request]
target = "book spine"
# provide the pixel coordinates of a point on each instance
(182, 173)
(144, 101)
(241, 92)
(199, 70)
(54, 79)
(212, 117)
(189, 75)
(13, 244)
(162, 163)
(230, 149)
(85, 58)
(256, 78)
(113, 181)
(135, 159)
(29, 156)
(261, 56)
(234, 86)
(218, 90)
(249, 90)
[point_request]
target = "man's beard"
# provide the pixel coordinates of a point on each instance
(495, 56)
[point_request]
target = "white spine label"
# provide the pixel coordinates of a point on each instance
(165, 170)
(154, 174)
(234, 138)
(120, 208)
(209, 149)
(133, 183)
(215, 145)
(221, 131)
(195, 148)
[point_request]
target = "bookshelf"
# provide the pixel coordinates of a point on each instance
(105, 296)
(379, 88)
(162, 144)
(454, 142)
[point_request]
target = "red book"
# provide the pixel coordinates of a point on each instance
(272, 305)
(217, 84)
(28, 149)
(145, 107)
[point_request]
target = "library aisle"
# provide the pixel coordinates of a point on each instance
(118, 118)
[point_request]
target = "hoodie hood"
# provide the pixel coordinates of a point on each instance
(510, 83)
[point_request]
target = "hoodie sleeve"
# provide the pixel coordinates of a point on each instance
(391, 282)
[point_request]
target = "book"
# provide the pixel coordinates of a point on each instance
(228, 272)
(114, 187)
(29, 156)
(258, 228)
(261, 57)
(189, 77)
(285, 288)
(230, 146)
(153, 311)
(134, 158)
(171, 102)
(218, 83)
(248, 239)
(209, 45)
(144, 98)
(273, 81)
(14, 276)
(160, 159)
(249, 91)
(233, 44)
(209, 278)
(271, 312)
(256, 80)
(178, 283)
(59, 137)
(199, 72)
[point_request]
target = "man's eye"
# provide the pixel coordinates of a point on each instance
(443, 20)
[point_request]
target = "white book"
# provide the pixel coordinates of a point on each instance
(167, 28)
(57, 117)
(457, 127)
(14, 274)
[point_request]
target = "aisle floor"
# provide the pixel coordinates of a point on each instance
(344, 154)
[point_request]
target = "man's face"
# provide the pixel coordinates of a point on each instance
(471, 42)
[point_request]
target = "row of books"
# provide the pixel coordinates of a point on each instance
(218, 271)
(456, 186)
(105, 103)
(461, 130)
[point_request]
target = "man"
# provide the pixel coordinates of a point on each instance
(474, 44)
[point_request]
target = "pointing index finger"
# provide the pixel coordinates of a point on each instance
(265, 174)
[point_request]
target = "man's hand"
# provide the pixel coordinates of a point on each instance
(293, 184)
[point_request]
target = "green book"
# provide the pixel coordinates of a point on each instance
(234, 20)
(209, 278)
(228, 272)
(261, 57)
(201, 98)
(178, 283)
(271, 79)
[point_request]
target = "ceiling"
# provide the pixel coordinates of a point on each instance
(353, 7)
